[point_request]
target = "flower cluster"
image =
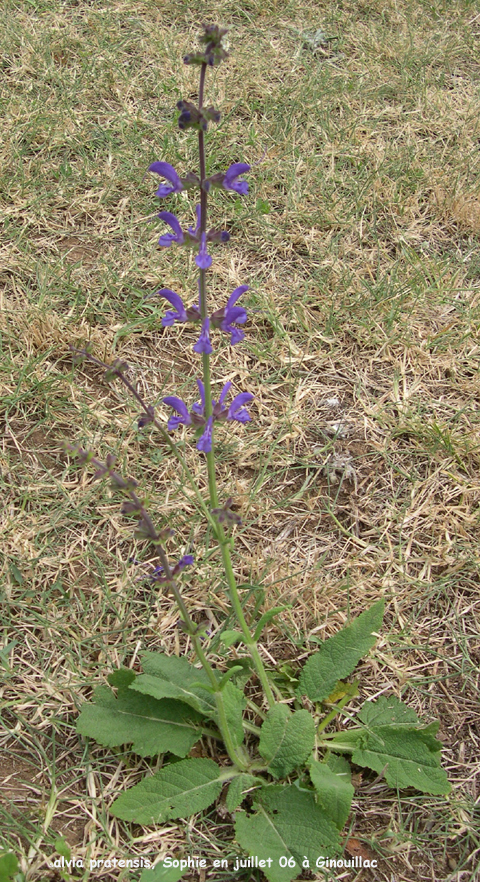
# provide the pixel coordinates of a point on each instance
(196, 415)
(224, 319)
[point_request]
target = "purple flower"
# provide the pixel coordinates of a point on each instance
(196, 416)
(179, 313)
(204, 443)
(231, 182)
(236, 411)
(230, 314)
(203, 345)
(165, 170)
(203, 259)
(177, 235)
(182, 410)
(185, 561)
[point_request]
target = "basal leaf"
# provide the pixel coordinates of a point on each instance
(387, 711)
(238, 787)
(200, 699)
(176, 791)
(150, 726)
(332, 782)
(121, 678)
(286, 739)
(410, 758)
(172, 677)
(340, 654)
(288, 823)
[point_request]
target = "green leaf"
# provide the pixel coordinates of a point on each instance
(235, 703)
(172, 677)
(267, 617)
(332, 782)
(410, 758)
(228, 638)
(286, 739)
(340, 654)
(387, 711)
(150, 726)
(122, 678)
(8, 866)
(181, 681)
(176, 791)
(230, 674)
(262, 206)
(237, 788)
(167, 676)
(288, 823)
(162, 874)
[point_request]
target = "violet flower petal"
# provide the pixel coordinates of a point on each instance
(204, 443)
(177, 235)
(178, 314)
(199, 409)
(235, 296)
(203, 259)
(179, 405)
(224, 392)
(165, 170)
(231, 182)
(185, 561)
(236, 411)
(203, 345)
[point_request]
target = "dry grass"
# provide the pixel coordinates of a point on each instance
(359, 475)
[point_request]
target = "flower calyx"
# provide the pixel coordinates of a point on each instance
(213, 50)
(191, 117)
(225, 513)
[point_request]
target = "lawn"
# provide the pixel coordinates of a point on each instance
(358, 476)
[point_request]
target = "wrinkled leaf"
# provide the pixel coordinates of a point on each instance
(411, 758)
(287, 823)
(150, 726)
(176, 791)
(286, 739)
(172, 677)
(387, 711)
(237, 788)
(332, 782)
(340, 654)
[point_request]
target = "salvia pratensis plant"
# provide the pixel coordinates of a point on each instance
(283, 766)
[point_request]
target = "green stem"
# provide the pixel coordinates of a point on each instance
(212, 483)
(338, 707)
